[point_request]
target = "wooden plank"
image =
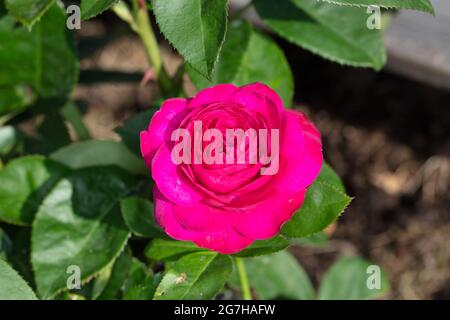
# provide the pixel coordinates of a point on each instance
(419, 45)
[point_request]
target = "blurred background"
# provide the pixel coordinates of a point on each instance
(386, 133)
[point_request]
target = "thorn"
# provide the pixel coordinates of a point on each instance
(149, 75)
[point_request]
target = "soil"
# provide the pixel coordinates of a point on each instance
(386, 136)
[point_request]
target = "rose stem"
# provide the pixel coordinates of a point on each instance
(246, 294)
(145, 32)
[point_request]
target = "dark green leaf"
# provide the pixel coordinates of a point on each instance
(91, 8)
(143, 291)
(422, 5)
(351, 279)
(19, 255)
(199, 275)
(119, 273)
(51, 135)
(139, 284)
(277, 276)
(262, 247)
(196, 28)
(28, 11)
(166, 250)
(248, 56)
(132, 127)
(139, 217)
(5, 244)
(12, 286)
(24, 183)
(99, 152)
(79, 223)
(43, 59)
(325, 201)
(338, 33)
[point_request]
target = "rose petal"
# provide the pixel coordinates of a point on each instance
(299, 165)
(259, 103)
(225, 241)
(266, 91)
(218, 93)
(171, 180)
(264, 220)
(164, 121)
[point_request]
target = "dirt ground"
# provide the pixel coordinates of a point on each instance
(388, 138)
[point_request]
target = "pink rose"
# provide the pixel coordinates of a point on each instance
(222, 206)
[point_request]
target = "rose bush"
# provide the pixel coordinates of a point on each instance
(225, 207)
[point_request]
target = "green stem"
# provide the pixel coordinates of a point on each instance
(245, 286)
(145, 31)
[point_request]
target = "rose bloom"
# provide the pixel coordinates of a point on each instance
(225, 207)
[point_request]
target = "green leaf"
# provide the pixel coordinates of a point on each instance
(9, 139)
(167, 250)
(51, 135)
(140, 283)
(315, 239)
(139, 217)
(19, 255)
(248, 56)
(421, 5)
(117, 276)
(24, 182)
(132, 127)
(198, 276)
(14, 98)
(43, 60)
(12, 286)
(338, 33)
(5, 244)
(79, 223)
(277, 276)
(262, 247)
(325, 201)
(350, 279)
(99, 152)
(28, 11)
(196, 28)
(91, 8)
(70, 111)
(327, 174)
(144, 290)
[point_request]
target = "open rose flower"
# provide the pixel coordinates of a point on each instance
(226, 206)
